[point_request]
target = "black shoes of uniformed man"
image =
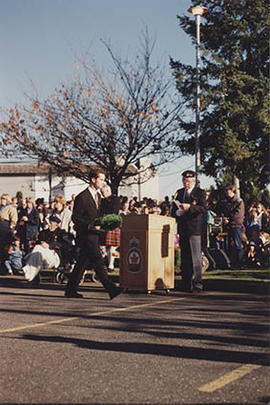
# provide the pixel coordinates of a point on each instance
(197, 290)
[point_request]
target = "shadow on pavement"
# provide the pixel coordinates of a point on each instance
(227, 356)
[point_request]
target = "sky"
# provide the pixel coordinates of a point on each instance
(39, 38)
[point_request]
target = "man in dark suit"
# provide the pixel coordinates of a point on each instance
(188, 205)
(85, 211)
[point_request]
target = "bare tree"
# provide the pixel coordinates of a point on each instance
(110, 119)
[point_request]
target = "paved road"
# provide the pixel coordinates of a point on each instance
(137, 349)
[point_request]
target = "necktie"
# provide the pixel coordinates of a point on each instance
(97, 199)
(185, 196)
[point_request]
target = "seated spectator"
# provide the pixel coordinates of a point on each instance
(253, 255)
(13, 262)
(265, 248)
(46, 253)
(255, 237)
(265, 238)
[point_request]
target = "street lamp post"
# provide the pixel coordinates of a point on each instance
(197, 11)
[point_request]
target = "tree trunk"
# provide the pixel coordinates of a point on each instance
(114, 187)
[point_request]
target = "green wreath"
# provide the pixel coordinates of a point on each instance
(109, 222)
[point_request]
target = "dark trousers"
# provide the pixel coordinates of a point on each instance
(89, 257)
(235, 245)
(191, 262)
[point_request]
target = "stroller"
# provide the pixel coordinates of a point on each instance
(68, 256)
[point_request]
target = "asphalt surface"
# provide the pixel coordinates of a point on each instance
(210, 348)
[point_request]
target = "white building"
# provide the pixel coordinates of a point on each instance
(39, 181)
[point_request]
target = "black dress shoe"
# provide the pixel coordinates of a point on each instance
(73, 294)
(115, 292)
(197, 290)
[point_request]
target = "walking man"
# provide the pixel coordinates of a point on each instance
(188, 205)
(85, 211)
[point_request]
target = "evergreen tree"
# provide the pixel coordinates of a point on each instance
(234, 92)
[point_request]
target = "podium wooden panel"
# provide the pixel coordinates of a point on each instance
(147, 252)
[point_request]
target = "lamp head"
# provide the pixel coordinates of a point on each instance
(197, 10)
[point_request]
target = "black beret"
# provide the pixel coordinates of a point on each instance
(188, 173)
(53, 218)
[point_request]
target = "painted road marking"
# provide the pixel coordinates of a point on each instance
(72, 318)
(209, 387)
(228, 378)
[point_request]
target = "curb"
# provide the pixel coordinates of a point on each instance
(241, 286)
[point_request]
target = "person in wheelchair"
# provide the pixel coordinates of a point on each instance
(47, 252)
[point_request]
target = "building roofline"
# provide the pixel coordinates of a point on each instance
(26, 168)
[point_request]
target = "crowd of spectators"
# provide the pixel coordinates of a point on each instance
(256, 235)
(22, 222)
(254, 231)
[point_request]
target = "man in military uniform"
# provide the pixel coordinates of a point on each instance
(188, 205)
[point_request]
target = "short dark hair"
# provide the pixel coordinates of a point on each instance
(231, 187)
(94, 172)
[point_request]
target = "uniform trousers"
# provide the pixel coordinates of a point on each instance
(191, 262)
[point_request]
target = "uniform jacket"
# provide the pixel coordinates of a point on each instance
(53, 238)
(190, 222)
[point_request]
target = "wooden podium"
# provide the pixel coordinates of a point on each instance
(147, 252)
